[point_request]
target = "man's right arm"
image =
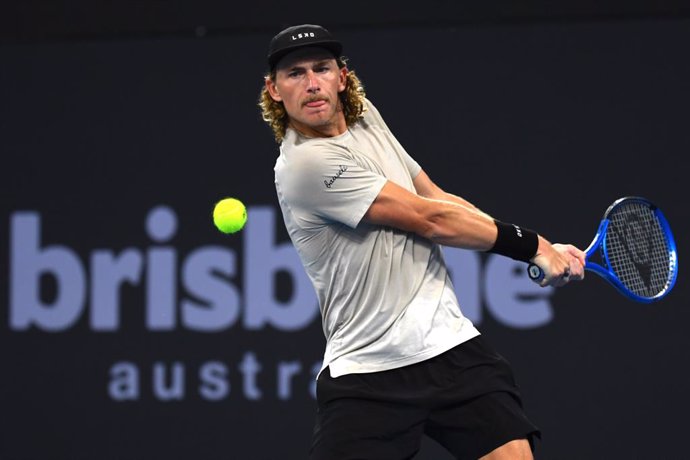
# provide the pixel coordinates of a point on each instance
(452, 221)
(444, 222)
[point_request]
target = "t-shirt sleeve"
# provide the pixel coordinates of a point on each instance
(326, 184)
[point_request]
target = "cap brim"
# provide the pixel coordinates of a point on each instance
(331, 45)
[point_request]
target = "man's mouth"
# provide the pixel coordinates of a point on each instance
(315, 103)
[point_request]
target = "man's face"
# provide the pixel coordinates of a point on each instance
(307, 82)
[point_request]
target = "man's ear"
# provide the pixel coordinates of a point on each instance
(273, 90)
(342, 79)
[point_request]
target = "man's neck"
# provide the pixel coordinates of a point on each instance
(329, 130)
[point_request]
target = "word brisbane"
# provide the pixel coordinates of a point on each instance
(213, 288)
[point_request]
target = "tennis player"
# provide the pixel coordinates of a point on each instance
(401, 360)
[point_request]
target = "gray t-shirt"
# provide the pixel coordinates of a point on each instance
(385, 295)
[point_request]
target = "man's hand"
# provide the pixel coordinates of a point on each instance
(561, 263)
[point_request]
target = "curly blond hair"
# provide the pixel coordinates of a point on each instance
(352, 99)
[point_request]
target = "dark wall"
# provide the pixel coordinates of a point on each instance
(41, 21)
(131, 328)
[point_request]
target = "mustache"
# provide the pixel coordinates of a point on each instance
(315, 99)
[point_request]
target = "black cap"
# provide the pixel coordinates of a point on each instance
(296, 37)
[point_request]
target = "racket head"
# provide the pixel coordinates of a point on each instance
(638, 249)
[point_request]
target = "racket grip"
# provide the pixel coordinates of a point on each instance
(535, 273)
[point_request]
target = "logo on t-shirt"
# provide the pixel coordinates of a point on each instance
(340, 172)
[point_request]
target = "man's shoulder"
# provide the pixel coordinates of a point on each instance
(309, 154)
(297, 146)
(372, 114)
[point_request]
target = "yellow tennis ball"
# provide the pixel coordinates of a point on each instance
(229, 215)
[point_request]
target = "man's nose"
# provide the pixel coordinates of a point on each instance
(312, 83)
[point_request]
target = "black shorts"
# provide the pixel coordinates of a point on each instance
(466, 399)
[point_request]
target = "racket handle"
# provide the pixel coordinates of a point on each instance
(535, 273)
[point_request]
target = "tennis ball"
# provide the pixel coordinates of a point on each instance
(229, 215)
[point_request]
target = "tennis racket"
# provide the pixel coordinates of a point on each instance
(637, 251)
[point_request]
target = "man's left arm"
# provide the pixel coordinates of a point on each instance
(425, 187)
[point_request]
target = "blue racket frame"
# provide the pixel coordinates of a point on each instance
(537, 274)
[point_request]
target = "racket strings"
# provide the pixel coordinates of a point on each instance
(637, 250)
